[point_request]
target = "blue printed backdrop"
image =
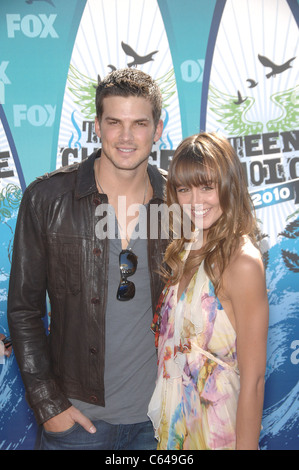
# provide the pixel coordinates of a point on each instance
(230, 66)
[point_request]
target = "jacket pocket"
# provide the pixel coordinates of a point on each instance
(64, 267)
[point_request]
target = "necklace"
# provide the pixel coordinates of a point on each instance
(144, 198)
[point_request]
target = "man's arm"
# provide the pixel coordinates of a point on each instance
(26, 309)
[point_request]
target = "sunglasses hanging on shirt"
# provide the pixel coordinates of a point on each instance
(127, 266)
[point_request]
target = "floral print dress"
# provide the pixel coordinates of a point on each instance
(194, 404)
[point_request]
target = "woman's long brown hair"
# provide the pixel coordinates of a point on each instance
(203, 159)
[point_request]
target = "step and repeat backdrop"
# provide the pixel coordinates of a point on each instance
(222, 65)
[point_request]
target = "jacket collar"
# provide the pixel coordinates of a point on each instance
(86, 183)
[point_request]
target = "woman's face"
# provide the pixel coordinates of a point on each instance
(201, 203)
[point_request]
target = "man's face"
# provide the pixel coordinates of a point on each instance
(127, 131)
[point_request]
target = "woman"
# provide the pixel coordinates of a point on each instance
(212, 319)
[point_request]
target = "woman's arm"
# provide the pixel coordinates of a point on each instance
(246, 287)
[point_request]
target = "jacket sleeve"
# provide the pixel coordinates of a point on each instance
(26, 308)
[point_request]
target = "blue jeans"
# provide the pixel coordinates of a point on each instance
(138, 436)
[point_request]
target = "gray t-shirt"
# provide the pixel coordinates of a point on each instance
(130, 355)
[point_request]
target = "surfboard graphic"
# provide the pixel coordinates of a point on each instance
(253, 99)
(115, 35)
(12, 185)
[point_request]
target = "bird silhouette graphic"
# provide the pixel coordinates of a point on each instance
(275, 68)
(252, 83)
(240, 99)
(138, 60)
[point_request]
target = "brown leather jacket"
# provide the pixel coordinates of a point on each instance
(56, 250)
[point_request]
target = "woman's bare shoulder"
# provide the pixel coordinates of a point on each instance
(246, 262)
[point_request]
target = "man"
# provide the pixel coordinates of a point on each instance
(89, 382)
